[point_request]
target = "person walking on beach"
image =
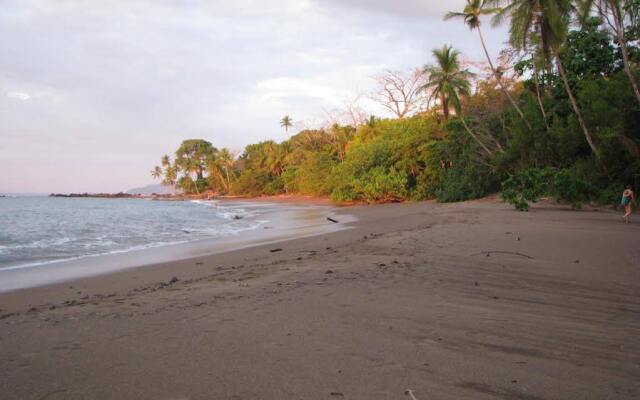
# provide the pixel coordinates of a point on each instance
(628, 199)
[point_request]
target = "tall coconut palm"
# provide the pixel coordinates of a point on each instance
(471, 15)
(551, 20)
(286, 122)
(448, 82)
(614, 8)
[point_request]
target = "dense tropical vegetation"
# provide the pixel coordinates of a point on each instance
(557, 115)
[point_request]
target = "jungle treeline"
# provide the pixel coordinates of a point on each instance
(557, 115)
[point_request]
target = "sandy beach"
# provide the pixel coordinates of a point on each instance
(450, 301)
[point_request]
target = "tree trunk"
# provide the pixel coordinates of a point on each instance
(546, 61)
(499, 80)
(574, 104)
(445, 107)
(226, 170)
(539, 97)
(473, 135)
(625, 51)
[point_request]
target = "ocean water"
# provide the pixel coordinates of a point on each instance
(37, 231)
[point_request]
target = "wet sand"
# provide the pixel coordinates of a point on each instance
(456, 301)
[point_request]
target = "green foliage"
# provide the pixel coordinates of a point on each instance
(611, 194)
(531, 184)
(457, 170)
(464, 183)
(375, 185)
(192, 155)
(589, 52)
(567, 187)
(387, 162)
(526, 186)
(543, 152)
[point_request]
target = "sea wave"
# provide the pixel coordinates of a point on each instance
(38, 244)
(119, 251)
(39, 231)
(226, 212)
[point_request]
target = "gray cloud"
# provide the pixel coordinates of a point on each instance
(408, 8)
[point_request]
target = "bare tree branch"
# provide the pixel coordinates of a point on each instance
(399, 92)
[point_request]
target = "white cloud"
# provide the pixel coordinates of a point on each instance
(282, 89)
(20, 95)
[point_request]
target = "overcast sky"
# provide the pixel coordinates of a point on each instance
(92, 93)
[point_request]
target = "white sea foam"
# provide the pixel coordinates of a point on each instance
(119, 251)
(208, 203)
(43, 243)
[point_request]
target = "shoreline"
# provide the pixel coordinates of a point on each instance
(283, 225)
(281, 198)
(453, 301)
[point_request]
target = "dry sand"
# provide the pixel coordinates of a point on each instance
(464, 301)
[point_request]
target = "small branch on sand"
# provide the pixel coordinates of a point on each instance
(409, 393)
(515, 253)
(335, 221)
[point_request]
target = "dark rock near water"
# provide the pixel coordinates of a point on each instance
(119, 195)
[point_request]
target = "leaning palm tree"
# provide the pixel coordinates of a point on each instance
(220, 168)
(551, 20)
(225, 158)
(471, 16)
(286, 122)
(216, 173)
(448, 82)
(614, 8)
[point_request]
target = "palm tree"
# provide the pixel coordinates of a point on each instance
(615, 9)
(216, 174)
(220, 168)
(226, 161)
(286, 122)
(447, 79)
(165, 161)
(193, 165)
(551, 19)
(170, 176)
(274, 162)
(156, 172)
(449, 82)
(471, 16)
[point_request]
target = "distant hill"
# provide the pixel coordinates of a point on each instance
(150, 189)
